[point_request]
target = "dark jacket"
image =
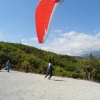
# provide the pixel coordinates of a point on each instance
(0, 64)
(49, 69)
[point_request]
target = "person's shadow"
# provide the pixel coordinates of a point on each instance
(59, 80)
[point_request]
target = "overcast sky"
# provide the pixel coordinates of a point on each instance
(75, 27)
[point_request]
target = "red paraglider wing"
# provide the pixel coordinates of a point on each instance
(56, 1)
(43, 15)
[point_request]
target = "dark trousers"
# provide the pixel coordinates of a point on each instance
(8, 69)
(48, 73)
(26, 69)
(0, 68)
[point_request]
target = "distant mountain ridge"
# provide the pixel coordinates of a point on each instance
(97, 52)
(94, 53)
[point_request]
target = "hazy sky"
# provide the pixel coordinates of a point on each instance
(75, 27)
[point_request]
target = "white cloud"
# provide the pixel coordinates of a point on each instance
(58, 31)
(1, 37)
(34, 39)
(73, 43)
(24, 41)
(98, 35)
(30, 42)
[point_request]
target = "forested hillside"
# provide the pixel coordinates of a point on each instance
(38, 60)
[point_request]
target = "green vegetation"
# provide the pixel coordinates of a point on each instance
(64, 65)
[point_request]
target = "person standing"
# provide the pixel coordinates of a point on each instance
(0, 65)
(8, 65)
(88, 75)
(26, 68)
(49, 71)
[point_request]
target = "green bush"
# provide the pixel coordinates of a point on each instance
(75, 75)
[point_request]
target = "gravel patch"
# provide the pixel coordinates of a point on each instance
(27, 86)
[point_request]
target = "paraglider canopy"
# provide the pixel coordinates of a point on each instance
(43, 16)
(56, 1)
